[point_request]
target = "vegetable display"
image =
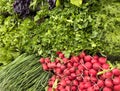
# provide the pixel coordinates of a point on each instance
(36, 29)
(81, 73)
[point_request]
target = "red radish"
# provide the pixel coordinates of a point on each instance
(71, 78)
(107, 89)
(108, 83)
(60, 87)
(66, 72)
(75, 64)
(94, 61)
(58, 65)
(95, 57)
(62, 82)
(102, 60)
(116, 80)
(42, 60)
(61, 55)
(96, 88)
(93, 79)
(65, 60)
(50, 83)
(108, 74)
(63, 89)
(92, 72)
(69, 65)
(73, 88)
(53, 64)
(74, 59)
(81, 61)
(68, 82)
(88, 65)
(73, 75)
(86, 72)
(81, 85)
(82, 54)
(105, 66)
(86, 78)
(53, 78)
(50, 89)
(63, 67)
(49, 65)
(79, 78)
(67, 88)
(81, 68)
(100, 83)
(66, 78)
(96, 66)
(116, 87)
(84, 90)
(87, 58)
(87, 84)
(116, 72)
(102, 77)
(47, 60)
(44, 66)
(78, 72)
(72, 69)
(58, 71)
(75, 82)
(90, 89)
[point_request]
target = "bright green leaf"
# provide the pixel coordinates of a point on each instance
(76, 2)
(58, 3)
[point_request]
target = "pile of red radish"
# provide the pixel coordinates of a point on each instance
(81, 73)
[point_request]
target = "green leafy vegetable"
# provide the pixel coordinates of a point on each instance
(76, 2)
(70, 29)
(24, 73)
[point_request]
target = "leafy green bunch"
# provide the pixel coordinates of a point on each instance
(24, 74)
(73, 29)
(94, 26)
